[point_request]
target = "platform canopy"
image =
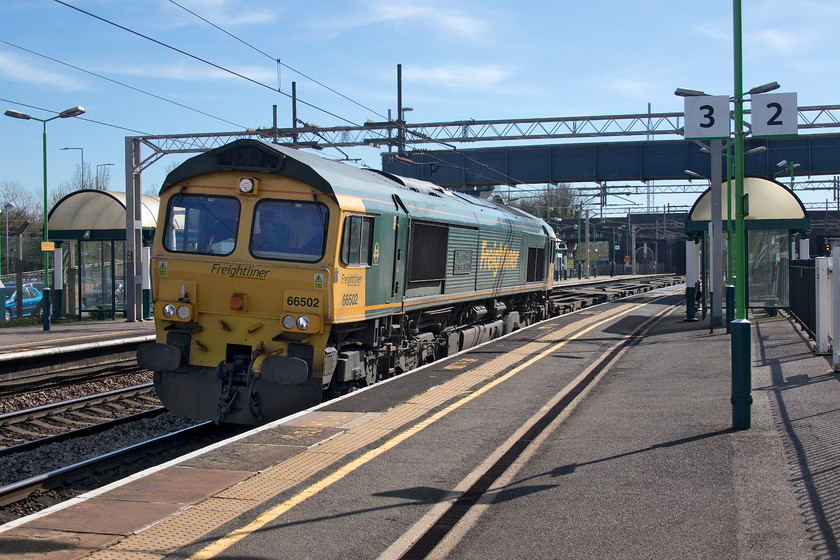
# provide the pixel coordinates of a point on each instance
(771, 205)
(98, 215)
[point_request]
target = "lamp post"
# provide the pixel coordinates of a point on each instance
(67, 113)
(97, 181)
(786, 167)
(82, 168)
(6, 209)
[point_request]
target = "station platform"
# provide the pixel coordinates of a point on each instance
(33, 338)
(474, 457)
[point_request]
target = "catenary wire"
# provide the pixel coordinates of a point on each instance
(122, 84)
(202, 60)
(277, 60)
(401, 125)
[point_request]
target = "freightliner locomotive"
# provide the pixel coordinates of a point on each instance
(278, 275)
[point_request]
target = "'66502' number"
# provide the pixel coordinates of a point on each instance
(349, 299)
(302, 301)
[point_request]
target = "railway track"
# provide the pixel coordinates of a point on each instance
(59, 420)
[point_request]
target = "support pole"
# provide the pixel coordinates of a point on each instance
(716, 245)
(741, 329)
(835, 299)
(741, 384)
(133, 228)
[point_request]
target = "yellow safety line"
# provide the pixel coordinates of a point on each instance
(269, 515)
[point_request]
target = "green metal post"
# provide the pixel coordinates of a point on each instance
(741, 384)
(45, 306)
(730, 227)
(740, 328)
(579, 264)
(740, 266)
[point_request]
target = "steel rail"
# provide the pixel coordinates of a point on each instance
(80, 432)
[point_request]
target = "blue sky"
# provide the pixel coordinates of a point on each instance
(461, 59)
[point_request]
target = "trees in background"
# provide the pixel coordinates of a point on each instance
(551, 203)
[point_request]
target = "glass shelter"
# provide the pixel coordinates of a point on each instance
(90, 225)
(775, 215)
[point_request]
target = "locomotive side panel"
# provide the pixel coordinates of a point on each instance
(462, 260)
(500, 250)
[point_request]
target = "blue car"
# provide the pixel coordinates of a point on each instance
(31, 298)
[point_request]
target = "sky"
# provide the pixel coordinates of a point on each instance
(461, 59)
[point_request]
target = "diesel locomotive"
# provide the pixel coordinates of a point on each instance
(278, 275)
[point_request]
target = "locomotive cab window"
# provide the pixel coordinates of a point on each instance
(357, 242)
(201, 224)
(289, 230)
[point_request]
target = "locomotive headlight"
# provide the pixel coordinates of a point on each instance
(248, 185)
(168, 310)
(183, 312)
(288, 322)
(303, 323)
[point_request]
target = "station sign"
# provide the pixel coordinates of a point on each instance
(706, 116)
(47, 246)
(774, 114)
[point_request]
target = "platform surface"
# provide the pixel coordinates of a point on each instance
(32, 338)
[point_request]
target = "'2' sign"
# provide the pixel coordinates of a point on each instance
(774, 114)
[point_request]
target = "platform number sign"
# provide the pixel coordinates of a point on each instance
(774, 114)
(707, 116)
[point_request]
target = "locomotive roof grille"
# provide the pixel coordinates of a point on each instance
(248, 157)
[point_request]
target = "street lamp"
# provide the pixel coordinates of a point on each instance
(82, 171)
(786, 167)
(97, 180)
(692, 175)
(67, 113)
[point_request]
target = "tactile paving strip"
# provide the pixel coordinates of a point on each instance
(180, 529)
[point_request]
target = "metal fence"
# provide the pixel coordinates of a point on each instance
(22, 256)
(93, 274)
(803, 297)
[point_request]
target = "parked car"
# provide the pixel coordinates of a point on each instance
(93, 298)
(31, 298)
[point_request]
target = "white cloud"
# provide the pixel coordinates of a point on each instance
(641, 90)
(458, 77)
(785, 43)
(20, 69)
(440, 17)
(224, 13)
(194, 72)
